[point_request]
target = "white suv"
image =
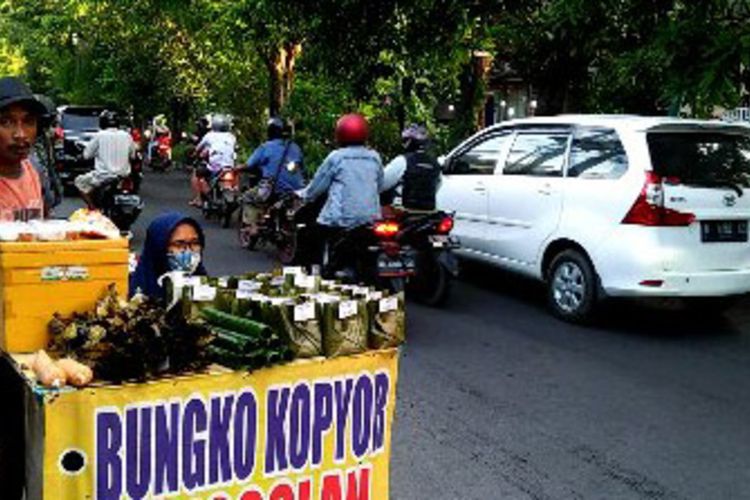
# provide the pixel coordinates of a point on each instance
(607, 206)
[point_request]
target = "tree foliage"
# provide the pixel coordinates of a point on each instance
(393, 60)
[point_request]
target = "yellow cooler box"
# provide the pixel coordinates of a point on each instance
(40, 278)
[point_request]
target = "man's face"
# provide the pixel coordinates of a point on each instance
(18, 129)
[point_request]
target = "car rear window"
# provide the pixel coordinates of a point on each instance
(705, 159)
(81, 120)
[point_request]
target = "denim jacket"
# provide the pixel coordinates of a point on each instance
(352, 176)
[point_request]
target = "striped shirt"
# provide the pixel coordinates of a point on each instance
(112, 149)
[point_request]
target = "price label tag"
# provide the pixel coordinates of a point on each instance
(204, 293)
(304, 312)
(347, 309)
(388, 304)
(223, 282)
(376, 295)
(192, 281)
(248, 286)
(304, 281)
(295, 270)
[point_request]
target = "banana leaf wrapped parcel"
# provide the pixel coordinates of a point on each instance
(298, 322)
(387, 320)
(345, 325)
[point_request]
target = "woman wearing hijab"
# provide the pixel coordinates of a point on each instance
(174, 242)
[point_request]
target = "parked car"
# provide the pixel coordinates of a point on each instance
(607, 206)
(77, 124)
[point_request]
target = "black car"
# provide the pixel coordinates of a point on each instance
(78, 124)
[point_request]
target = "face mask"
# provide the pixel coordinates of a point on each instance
(185, 260)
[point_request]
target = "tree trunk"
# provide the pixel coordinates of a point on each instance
(280, 64)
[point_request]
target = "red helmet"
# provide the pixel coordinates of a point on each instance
(351, 129)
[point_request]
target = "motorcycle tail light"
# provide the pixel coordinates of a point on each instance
(391, 248)
(126, 184)
(445, 226)
(386, 229)
(59, 134)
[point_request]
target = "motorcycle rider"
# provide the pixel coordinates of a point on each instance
(159, 131)
(352, 177)
(412, 179)
(219, 147)
(112, 150)
(278, 165)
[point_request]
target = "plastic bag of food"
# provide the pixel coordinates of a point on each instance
(387, 321)
(345, 326)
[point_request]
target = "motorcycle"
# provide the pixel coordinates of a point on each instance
(117, 200)
(159, 157)
(223, 196)
(370, 254)
(281, 223)
(428, 235)
(136, 171)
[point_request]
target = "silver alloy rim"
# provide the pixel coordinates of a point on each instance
(568, 287)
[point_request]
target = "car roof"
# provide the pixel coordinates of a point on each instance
(634, 123)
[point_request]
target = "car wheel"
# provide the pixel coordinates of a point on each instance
(572, 287)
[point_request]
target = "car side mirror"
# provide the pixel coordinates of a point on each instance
(444, 162)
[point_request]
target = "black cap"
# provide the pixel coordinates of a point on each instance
(14, 91)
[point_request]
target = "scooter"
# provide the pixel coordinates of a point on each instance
(223, 197)
(117, 200)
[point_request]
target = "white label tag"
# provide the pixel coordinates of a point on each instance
(204, 293)
(244, 294)
(248, 286)
(304, 281)
(388, 304)
(191, 281)
(77, 273)
(295, 270)
(304, 312)
(223, 282)
(347, 309)
(376, 295)
(53, 273)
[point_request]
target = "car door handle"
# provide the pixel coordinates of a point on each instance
(480, 189)
(544, 191)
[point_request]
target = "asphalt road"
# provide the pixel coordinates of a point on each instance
(498, 400)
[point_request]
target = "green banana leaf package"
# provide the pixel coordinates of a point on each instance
(296, 321)
(387, 320)
(345, 326)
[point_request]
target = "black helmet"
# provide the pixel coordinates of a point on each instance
(414, 137)
(275, 128)
(107, 119)
(220, 123)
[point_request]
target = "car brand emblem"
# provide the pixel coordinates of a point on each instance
(730, 200)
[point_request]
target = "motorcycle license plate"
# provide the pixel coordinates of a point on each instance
(127, 200)
(395, 266)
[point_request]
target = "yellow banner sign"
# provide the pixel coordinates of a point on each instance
(309, 430)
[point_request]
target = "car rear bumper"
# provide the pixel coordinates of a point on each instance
(704, 284)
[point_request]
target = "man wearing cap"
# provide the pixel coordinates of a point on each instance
(20, 186)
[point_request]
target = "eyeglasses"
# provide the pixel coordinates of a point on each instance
(193, 245)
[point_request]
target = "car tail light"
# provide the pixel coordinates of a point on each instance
(386, 229)
(445, 226)
(649, 209)
(59, 135)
